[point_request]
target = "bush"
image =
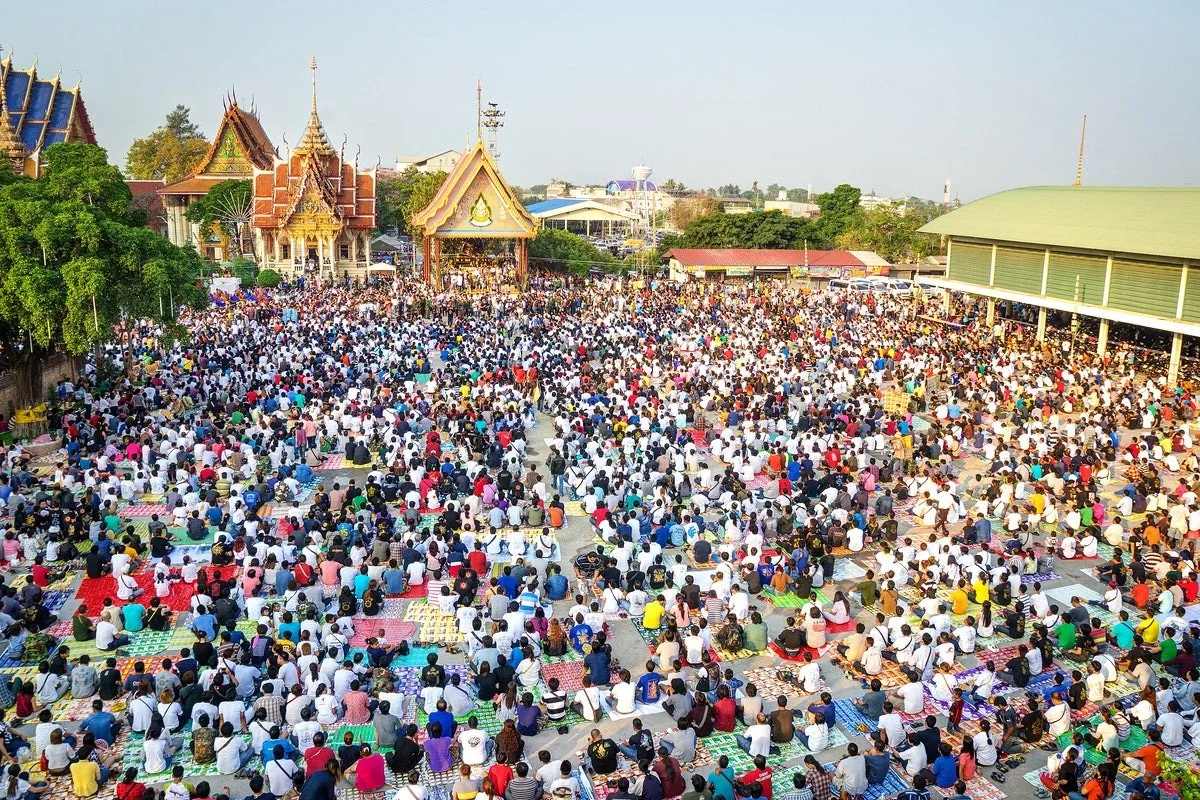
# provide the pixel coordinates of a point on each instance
(269, 278)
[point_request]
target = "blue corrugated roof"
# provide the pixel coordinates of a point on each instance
(553, 204)
(40, 113)
(54, 137)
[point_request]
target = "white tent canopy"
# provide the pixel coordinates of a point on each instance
(381, 266)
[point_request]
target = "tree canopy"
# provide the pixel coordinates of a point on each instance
(75, 256)
(839, 210)
(170, 152)
(227, 208)
(891, 233)
(398, 197)
(756, 230)
(555, 249)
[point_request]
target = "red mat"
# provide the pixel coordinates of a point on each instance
(414, 592)
(94, 591)
(841, 627)
(816, 654)
(224, 574)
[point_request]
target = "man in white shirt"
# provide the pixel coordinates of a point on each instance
(476, 746)
(757, 741)
(914, 758)
(913, 695)
(891, 726)
(809, 675)
(1171, 726)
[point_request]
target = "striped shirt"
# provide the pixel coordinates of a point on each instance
(556, 705)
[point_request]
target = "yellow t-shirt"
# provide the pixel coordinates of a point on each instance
(958, 601)
(981, 591)
(1148, 628)
(85, 777)
(652, 615)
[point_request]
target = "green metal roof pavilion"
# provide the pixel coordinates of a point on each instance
(1163, 222)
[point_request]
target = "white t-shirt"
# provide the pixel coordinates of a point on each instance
(621, 697)
(229, 753)
(105, 633)
(913, 695)
(760, 740)
(473, 742)
(589, 701)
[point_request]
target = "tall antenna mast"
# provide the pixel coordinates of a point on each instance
(1079, 166)
(478, 108)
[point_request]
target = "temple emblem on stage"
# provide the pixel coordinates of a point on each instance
(481, 213)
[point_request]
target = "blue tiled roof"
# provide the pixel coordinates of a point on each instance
(60, 112)
(41, 112)
(553, 204)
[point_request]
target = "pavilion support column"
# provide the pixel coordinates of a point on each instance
(1176, 360)
(945, 302)
(1102, 339)
(991, 311)
(427, 267)
(1041, 328)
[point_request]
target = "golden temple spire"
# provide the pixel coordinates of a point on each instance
(314, 139)
(11, 146)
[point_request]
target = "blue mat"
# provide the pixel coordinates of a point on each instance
(417, 657)
(892, 785)
(55, 600)
(849, 718)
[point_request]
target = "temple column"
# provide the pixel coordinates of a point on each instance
(991, 311)
(354, 249)
(1102, 339)
(426, 268)
(1176, 360)
(1041, 325)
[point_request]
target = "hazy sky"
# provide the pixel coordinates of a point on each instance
(889, 96)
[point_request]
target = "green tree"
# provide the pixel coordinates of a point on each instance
(772, 191)
(839, 210)
(891, 233)
(170, 152)
(730, 190)
(73, 263)
(772, 230)
(555, 249)
(269, 278)
(797, 195)
(420, 194)
(672, 186)
(391, 194)
(179, 122)
(227, 208)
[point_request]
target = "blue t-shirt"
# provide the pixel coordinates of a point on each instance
(206, 623)
(556, 586)
(100, 725)
(361, 582)
(945, 771)
(580, 635)
(394, 580)
(647, 690)
(599, 668)
(509, 584)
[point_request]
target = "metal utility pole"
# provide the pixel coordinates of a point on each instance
(1079, 164)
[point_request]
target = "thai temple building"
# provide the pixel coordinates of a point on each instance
(35, 113)
(240, 147)
(314, 210)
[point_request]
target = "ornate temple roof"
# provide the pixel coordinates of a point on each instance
(476, 202)
(240, 146)
(315, 179)
(41, 111)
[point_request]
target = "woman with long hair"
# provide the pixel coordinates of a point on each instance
(506, 705)
(839, 610)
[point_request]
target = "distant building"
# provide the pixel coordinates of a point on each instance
(438, 162)
(805, 210)
(870, 201)
(813, 268)
(583, 217)
(35, 113)
(736, 205)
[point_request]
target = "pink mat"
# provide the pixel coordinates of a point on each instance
(396, 630)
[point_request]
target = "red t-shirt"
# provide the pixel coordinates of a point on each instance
(500, 774)
(478, 561)
(315, 759)
(763, 776)
(726, 713)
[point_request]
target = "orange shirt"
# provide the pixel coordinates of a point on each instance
(1140, 594)
(1153, 536)
(1149, 753)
